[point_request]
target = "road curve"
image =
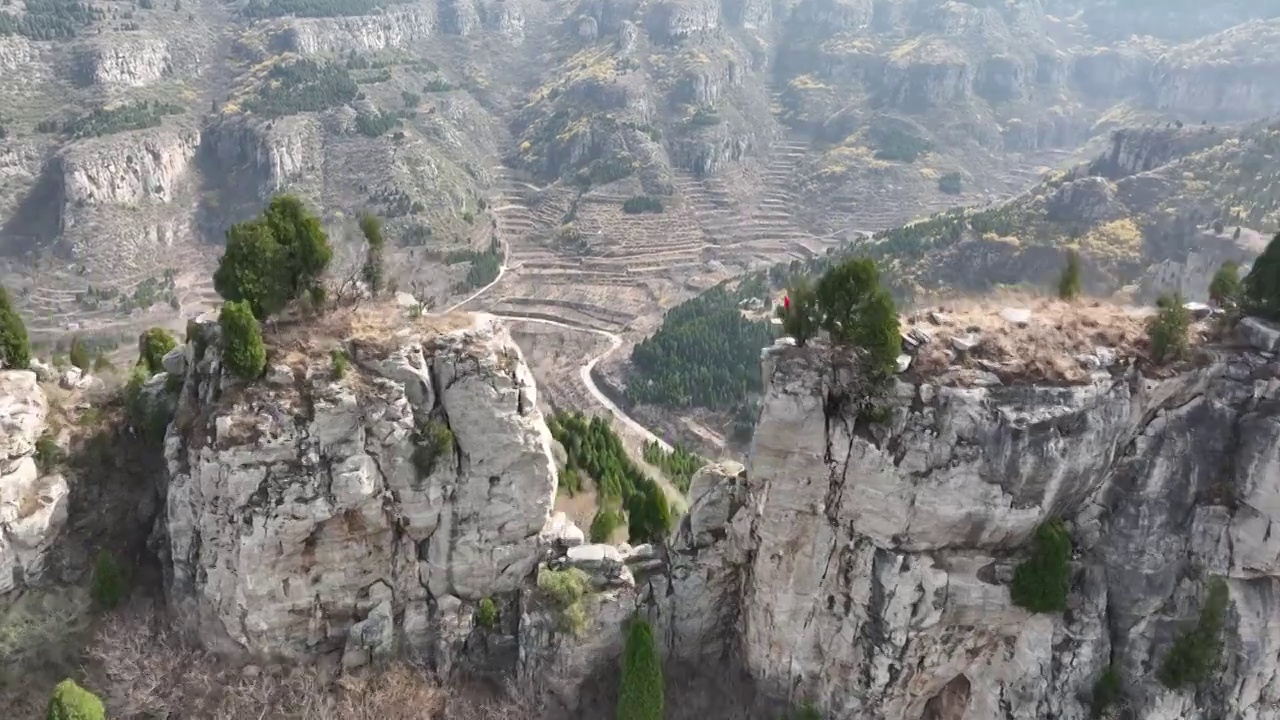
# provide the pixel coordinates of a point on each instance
(502, 270)
(584, 372)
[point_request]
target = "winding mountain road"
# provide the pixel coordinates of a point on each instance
(584, 371)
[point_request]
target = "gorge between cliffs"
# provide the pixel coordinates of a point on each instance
(860, 568)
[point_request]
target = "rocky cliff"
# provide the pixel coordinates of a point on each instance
(33, 506)
(315, 510)
(875, 584)
(860, 566)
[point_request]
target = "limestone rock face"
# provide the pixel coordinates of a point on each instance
(127, 62)
(127, 169)
(33, 508)
(303, 506)
(881, 554)
(364, 33)
(1229, 75)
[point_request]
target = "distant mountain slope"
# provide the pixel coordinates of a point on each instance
(1160, 199)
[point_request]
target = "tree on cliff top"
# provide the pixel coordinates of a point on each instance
(153, 345)
(1262, 284)
(274, 258)
(799, 311)
(15, 349)
(373, 270)
(1225, 288)
(641, 694)
(856, 311)
(243, 349)
(1069, 281)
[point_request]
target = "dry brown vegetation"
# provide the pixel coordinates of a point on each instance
(140, 670)
(1045, 349)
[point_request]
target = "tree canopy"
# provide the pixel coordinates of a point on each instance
(592, 447)
(1262, 284)
(273, 258)
(706, 354)
(153, 345)
(856, 311)
(243, 349)
(72, 702)
(15, 348)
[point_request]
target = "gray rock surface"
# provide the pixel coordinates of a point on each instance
(881, 555)
(426, 470)
(33, 507)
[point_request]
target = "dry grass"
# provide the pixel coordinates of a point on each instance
(140, 670)
(373, 324)
(1045, 349)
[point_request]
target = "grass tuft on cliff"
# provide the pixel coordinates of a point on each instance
(1197, 653)
(1040, 582)
(641, 695)
(567, 590)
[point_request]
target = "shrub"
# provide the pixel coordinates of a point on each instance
(1167, 331)
(48, 453)
(800, 318)
(340, 362)
(604, 525)
(108, 586)
(436, 441)
(101, 364)
(1106, 691)
(72, 702)
(642, 204)
(243, 350)
(950, 183)
(855, 310)
(79, 355)
(1225, 288)
(153, 345)
(640, 696)
(15, 348)
(1069, 280)
(567, 590)
(1262, 284)
(1040, 582)
(1196, 653)
(487, 613)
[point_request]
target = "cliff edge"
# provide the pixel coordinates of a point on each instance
(383, 477)
(876, 584)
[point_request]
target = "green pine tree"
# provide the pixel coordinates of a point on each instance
(1040, 583)
(243, 350)
(15, 348)
(1069, 281)
(153, 345)
(641, 694)
(1262, 284)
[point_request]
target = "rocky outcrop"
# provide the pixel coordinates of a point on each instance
(873, 581)
(33, 507)
(126, 62)
(274, 153)
(308, 513)
(364, 33)
(1226, 76)
(127, 169)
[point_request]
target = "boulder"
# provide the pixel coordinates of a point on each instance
(1261, 334)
